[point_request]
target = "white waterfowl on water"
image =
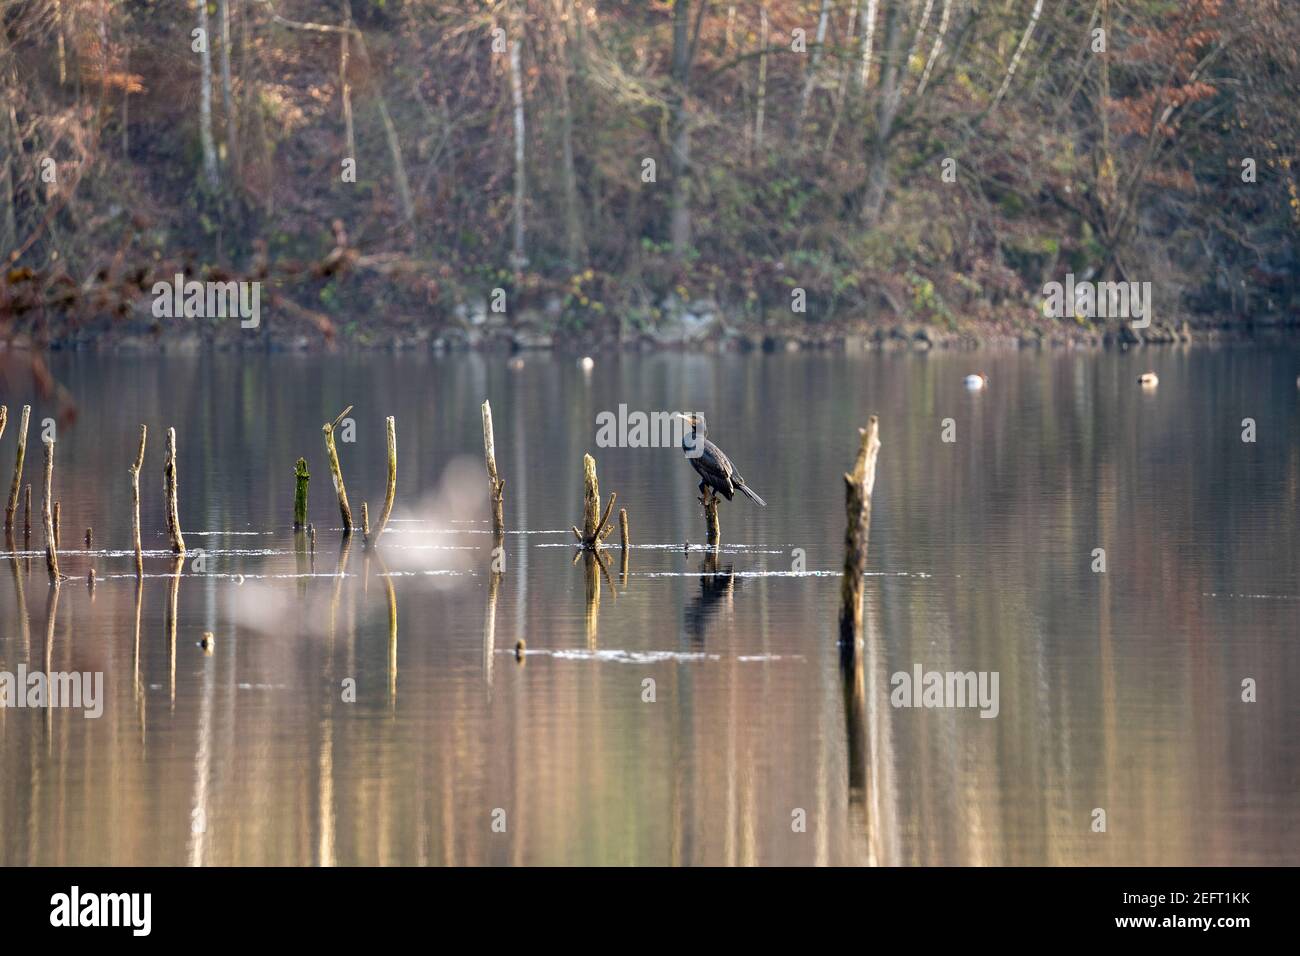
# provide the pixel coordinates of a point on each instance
(1148, 380)
(977, 381)
(587, 363)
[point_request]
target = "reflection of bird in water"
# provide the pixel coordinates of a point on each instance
(714, 586)
(713, 465)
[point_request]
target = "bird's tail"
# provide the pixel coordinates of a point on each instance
(752, 496)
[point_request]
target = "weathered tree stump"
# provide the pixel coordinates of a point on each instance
(135, 502)
(47, 513)
(301, 477)
(858, 488)
(496, 484)
(170, 488)
(595, 526)
(390, 492)
(11, 509)
(336, 472)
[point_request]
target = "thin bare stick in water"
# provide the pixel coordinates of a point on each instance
(57, 511)
(365, 520)
(135, 502)
(623, 538)
(27, 511)
(169, 485)
(12, 508)
(47, 513)
(336, 472)
(496, 484)
(390, 494)
(858, 487)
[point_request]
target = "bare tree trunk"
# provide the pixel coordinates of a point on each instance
(920, 29)
(810, 77)
(345, 85)
(842, 86)
(887, 109)
(1015, 57)
(936, 49)
(574, 245)
(761, 107)
(680, 132)
(519, 249)
(227, 89)
(205, 102)
(868, 38)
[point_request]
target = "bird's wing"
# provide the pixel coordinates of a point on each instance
(717, 458)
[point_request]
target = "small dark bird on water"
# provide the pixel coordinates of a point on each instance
(714, 467)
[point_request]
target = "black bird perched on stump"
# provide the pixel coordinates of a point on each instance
(714, 467)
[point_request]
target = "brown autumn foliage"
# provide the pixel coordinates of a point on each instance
(777, 164)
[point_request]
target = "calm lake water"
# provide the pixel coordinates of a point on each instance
(1119, 690)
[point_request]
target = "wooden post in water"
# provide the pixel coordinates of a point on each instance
(595, 527)
(27, 512)
(365, 520)
(713, 530)
(56, 524)
(47, 513)
(301, 477)
(623, 539)
(90, 537)
(496, 484)
(135, 502)
(336, 472)
(390, 493)
(11, 509)
(858, 486)
(169, 486)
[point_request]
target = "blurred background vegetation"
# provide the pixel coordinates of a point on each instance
(654, 170)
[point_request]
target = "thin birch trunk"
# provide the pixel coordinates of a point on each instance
(936, 49)
(761, 107)
(228, 90)
(205, 102)
(810, 78)
(868, 13)
(519, 249)
(1015, 57)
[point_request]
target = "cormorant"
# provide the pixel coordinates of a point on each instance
(714, 467)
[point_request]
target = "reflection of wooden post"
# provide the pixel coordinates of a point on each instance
(625, 542)
(490, 625)
(169, 485)
(591, 572)
(336, 472)
(496, 484)
(47, 514)
(595, 526)
(135, 502)
(173, 603)
(391, 493)
(12, 507)
(858, 486)
(300, 478)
